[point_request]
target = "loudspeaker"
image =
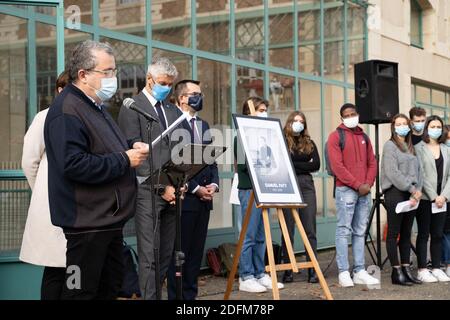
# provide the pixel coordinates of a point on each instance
(376, 91)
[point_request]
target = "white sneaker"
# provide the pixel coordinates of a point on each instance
(426, 276)
(345, 280)
(266, 281)
(362, 277)
(440, 275)
(251, 285)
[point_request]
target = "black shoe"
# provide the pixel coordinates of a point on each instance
(312, 277)
(409, 276)
(399, 278)
(288, 276)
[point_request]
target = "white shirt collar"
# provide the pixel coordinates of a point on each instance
(189, 117)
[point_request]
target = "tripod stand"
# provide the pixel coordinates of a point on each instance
(375, 210)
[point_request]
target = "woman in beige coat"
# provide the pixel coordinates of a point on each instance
(43, 243)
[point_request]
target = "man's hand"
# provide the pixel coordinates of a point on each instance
(169, 194)
(203, 194)
(137, 156)
(364, 189)
(212, 188)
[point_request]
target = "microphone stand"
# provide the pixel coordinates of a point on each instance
(155, 214)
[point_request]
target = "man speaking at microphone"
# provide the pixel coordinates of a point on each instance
(161, 75)
(92, 183)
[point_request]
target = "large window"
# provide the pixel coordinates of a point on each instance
(434, 99)
(297, 54)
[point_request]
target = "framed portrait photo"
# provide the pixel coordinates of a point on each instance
(269, 164)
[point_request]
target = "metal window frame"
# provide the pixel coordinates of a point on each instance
(97, 31)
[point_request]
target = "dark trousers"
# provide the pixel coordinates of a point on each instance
(194, 228)
(94, 265)
(398, 223)
(429, 223)
(52, 283)
(307, 217)
(146, 237)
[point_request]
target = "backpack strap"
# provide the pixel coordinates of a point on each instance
(341, 133)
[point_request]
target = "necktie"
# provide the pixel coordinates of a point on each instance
(162, 120)
(194, 136)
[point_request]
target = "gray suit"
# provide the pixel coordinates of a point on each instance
(135, 128)
(430, 174)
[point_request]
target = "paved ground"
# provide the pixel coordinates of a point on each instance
(213, 288)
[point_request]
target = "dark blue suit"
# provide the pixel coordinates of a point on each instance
(194, 223)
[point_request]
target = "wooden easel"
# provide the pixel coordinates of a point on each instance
(293, 265)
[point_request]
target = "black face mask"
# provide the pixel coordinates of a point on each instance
(196, 102)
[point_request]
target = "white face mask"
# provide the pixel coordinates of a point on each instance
(351, 122)
(262, 114)
(108, 88)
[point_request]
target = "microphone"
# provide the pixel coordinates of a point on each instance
(129, 103)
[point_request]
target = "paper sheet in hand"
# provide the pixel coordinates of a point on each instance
(234, 194)
(169, 129)
(435, 209)
(405, 206)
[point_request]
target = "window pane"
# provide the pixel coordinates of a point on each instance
(281, 36)
(221, 216)
(250, 83)
(130, 62)
(213, 26)
(334, 40)
(171, 21)
(250, 30)
(331, 203)
(215, 83)
(309, 36)
(183, 62)
(13, 91)
(355, 34)
(71, 39)
(423, 94)
(45, 64)
(124, 16)
(282, 95)
(438, 97)
(80, 11)
(310, 106)
(318, 183)
(416, 37)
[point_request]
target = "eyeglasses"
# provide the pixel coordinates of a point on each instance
(108, 73)
(194, 94)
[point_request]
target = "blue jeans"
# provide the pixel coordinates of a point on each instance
(446, 248)
(251, 261)
(352, 218)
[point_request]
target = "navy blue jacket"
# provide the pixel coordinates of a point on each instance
(208, 175)
(91, 184)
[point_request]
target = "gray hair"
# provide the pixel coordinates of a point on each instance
(162, 66)
(83, 57)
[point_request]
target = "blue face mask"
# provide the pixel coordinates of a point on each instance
(196, 102)
(447, 143)
(160, 92)
(297, 127)
(418, 126)
(435, 133)
(108, 88)
(402, 131)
